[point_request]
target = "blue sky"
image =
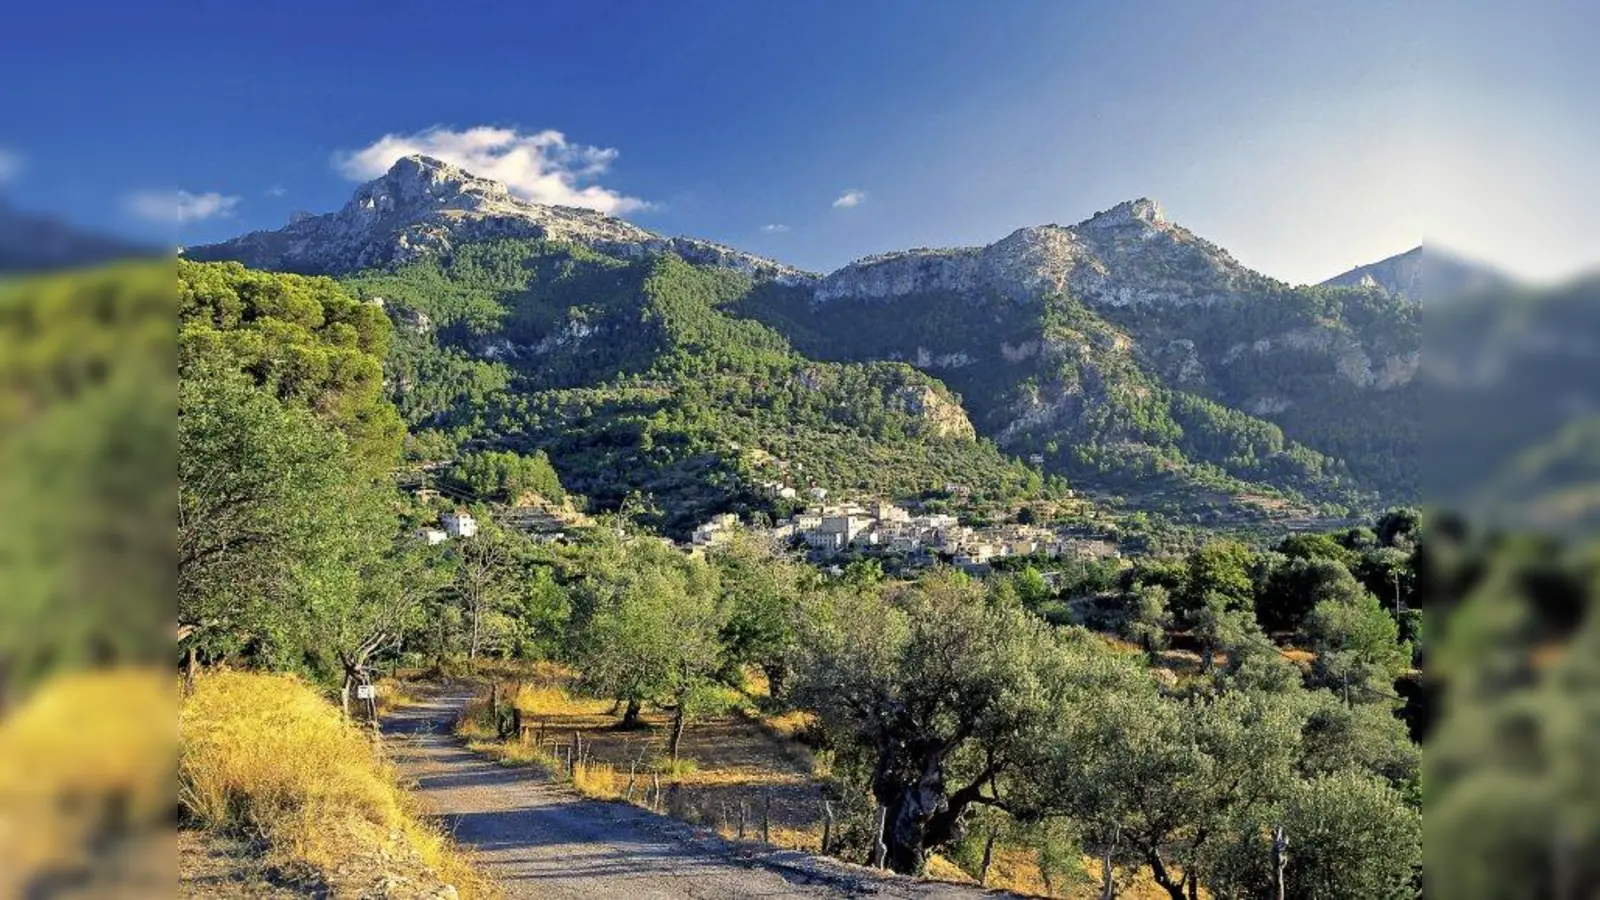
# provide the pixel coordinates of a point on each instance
(1306, 138)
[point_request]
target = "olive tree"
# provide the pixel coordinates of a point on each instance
(1162, 781)
(648, 629)
(948, 697)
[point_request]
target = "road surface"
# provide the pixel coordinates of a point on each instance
(539, 839)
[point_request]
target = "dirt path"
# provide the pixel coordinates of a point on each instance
(541, 840)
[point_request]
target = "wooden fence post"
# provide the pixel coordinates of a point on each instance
(744, 813)
(655, 786)
(880, 848)
(766, 820)
(494, 708)
(629, 795)
(516, 725)
(827, 825)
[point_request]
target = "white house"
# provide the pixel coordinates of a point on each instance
(825, 541)
(888, 512)
(431, 536)
(716, 531)
(459, 523)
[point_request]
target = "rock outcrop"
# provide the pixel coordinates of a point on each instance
(422, 206)
(1129, 254)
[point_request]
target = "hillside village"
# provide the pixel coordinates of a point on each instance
(881, 528)
(826, 531)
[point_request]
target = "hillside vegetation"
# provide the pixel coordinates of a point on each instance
(630, 375)
(1151, 401)
(267, 758)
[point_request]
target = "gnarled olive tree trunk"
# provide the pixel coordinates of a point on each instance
(921, 815)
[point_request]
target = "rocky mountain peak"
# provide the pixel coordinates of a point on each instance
(1424, 273)
(1128, 254)
(423, 205)
(1141, 213)
(418, 179)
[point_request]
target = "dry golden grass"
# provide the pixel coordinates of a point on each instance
(393, 693)
(941, 869)
(545, 700)
(81, 751)
(266, 756)
(596, 779)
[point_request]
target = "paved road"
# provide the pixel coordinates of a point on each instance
(542, 840)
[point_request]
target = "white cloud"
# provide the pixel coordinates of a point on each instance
(542, 166)
(178, 207)
(10, 165)
(775, 228)
(850, 198)
(276, 190)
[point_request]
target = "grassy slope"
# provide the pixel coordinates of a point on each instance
(266, 757)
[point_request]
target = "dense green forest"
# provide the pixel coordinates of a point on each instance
(634, 381)
(1147, 400)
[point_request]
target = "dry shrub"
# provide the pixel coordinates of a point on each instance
(595, 779)
(266, 756)
(393, 693)
(551, 699)
(513, 753)
(682, 767)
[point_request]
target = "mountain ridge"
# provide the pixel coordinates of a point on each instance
(1124, 352)
(1423, 273)
(424, 205)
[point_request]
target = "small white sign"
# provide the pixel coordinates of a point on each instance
(365, 692)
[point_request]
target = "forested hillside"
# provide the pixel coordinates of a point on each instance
(1301, 395)
(630, 375)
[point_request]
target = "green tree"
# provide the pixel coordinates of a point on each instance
(761, 595)
(1215, 599)
(1149, 618)
(303, 339)
(648, 630)
(1294, 588)
(1161, 782)
(945, 698)
(1348, 835)
(265, 503)
(1357, 647)
(484, 579)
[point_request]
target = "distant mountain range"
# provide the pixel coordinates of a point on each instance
(1125, 353)
(1424, 273)
(37, 243)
